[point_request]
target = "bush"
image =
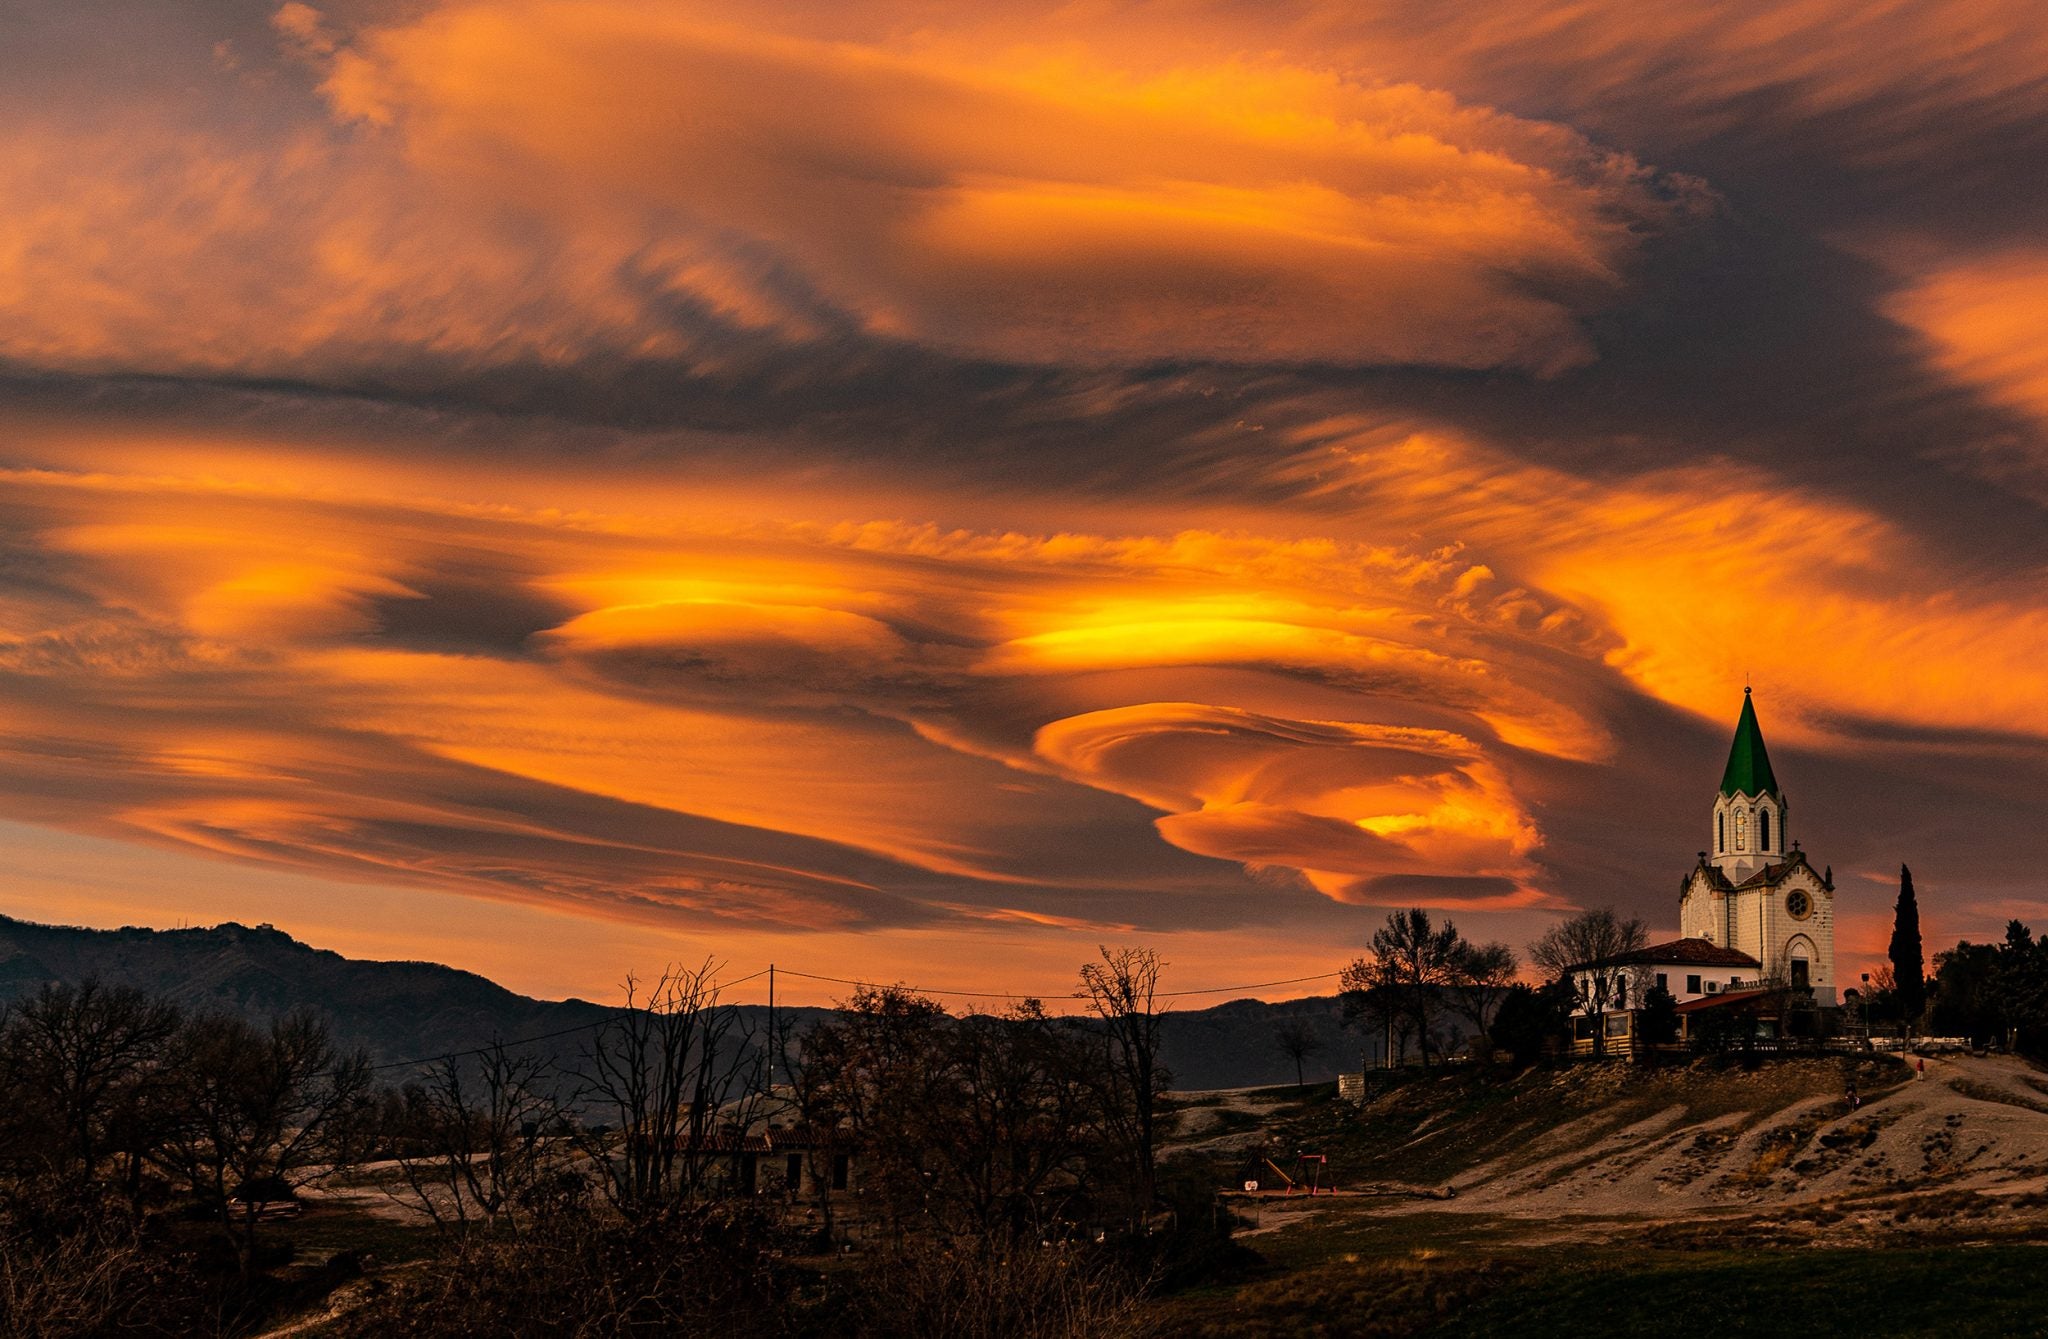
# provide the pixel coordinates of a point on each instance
(987, 1289)
(74, 1263)
(685, 1269)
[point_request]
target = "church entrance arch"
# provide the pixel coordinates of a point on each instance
(1799, 959)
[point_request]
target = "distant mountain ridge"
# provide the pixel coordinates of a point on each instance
(401, 1011)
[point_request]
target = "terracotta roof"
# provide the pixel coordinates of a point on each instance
(1698, 953)
(1678, 952)
(1726, 997)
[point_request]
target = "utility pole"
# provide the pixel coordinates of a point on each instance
(773, 1043)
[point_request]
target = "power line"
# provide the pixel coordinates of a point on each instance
(1256, 985)
(1070, 995)
(922, 990)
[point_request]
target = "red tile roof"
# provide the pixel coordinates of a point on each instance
(1728, 997)
(1697, 953)
(1678, 953)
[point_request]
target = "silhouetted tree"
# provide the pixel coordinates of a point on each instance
(1530, 1022)
(1658, 1023)
(263, 1111)
(1965, 1000)
(980, 1126)
(1482, 977)
(82, 1077)
(2022, 988)
(1297, 1041)
(1122, 989)
(866, 1075)
(1375, 1011)
(1589, 942)
(674, 1070)
(1413, 963)
(479, 1137)
(1909, 972)
(1011, 1121)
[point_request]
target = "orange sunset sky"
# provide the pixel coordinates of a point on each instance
(916, 491)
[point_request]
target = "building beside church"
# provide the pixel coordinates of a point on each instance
(1754, 916)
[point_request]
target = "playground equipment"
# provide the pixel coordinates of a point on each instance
(1262, 1173)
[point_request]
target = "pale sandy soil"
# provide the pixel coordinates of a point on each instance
(1968, 1124)
(1970, 1127)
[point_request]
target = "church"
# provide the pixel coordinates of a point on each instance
(1756, 893)
(1753, 915)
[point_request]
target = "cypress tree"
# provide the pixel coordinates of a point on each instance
(1908, 971)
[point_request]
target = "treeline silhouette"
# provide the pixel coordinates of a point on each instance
(895, 1169)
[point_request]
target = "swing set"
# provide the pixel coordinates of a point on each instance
(1261, 1172)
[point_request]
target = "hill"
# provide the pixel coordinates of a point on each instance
(1681, 1145)
(1608, 1198)
(403, 1010)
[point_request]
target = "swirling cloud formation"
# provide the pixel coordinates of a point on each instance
(938, 483)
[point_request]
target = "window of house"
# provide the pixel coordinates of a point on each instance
(1617, 1025)
(842, 1165)
(1692, 985)
(1662, 984)
(793, 1170)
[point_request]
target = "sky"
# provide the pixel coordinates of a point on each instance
(916, 492)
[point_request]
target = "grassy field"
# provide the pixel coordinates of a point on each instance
(1952, 1291)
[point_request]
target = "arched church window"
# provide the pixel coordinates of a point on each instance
(1763, 830)
(1720, 832)
(1741, 831)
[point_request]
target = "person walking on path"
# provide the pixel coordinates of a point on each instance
(1923, 1066)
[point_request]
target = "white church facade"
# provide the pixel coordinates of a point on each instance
(1755, 892)
(1753, 915)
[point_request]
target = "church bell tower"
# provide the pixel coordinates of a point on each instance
(1749, 812)
(1756, 893)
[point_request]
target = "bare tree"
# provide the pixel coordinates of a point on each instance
(1483, 976)
(263, 1111)
(82, 1071)
(863, 1081)
(1123, 989)
(481, 1137)
(676, 1071)
(1297, 1041)
(1007, 1134)
(1580, 951)
(1375, 1011)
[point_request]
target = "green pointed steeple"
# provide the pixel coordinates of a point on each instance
(1749, 766)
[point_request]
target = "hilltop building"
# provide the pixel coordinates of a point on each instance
(1756, 893)
(1754, 916)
